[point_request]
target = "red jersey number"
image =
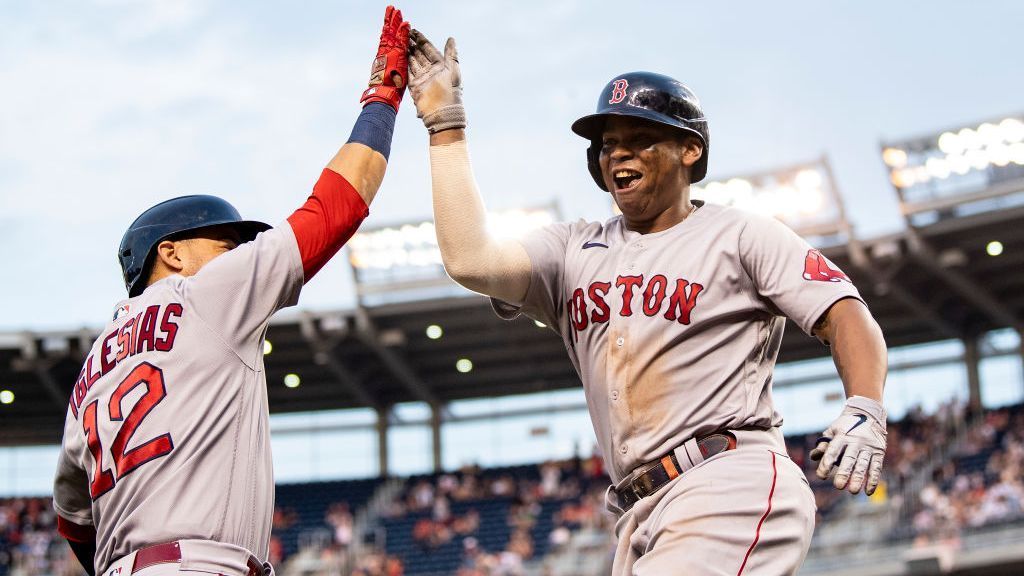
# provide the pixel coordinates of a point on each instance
(125, 461)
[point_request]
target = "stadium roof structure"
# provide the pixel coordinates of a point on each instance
(955, 272)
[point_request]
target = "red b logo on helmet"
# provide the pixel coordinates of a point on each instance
(619, 91)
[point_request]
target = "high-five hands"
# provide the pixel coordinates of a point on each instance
(436, 84)
(389, 74)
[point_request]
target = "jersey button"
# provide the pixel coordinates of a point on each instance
(615, 394)
(620, 341)
(623, 449)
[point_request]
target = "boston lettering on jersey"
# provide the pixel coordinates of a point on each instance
(631, 295)
(151, 329)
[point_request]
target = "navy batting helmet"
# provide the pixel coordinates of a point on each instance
(650, 96)
(172, 217)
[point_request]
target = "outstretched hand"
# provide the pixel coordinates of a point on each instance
(436, 83)
(389, 74)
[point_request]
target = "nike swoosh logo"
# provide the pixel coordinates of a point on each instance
(861, 419)
(594, 245)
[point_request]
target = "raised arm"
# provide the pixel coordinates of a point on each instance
(341, 197)
(471, 255)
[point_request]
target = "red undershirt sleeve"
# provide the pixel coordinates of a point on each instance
(327, 220)
(75, 532)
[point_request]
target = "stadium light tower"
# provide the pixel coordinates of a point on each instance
(961, 192)
(403, 262)
(963, 170)
(803, 196)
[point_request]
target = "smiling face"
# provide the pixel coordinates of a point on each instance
(646, 167)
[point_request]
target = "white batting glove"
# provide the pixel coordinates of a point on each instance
(855, 442)
(435, 83)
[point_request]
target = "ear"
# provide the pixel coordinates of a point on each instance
(169, 256)
(691, 151)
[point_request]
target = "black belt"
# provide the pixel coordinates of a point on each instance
(649, 478)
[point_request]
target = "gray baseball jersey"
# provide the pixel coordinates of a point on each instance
(675, 334)
(166, 435)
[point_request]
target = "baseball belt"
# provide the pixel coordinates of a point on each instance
(170, 552)
(648, 478)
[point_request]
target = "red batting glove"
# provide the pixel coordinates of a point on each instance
(390, 72)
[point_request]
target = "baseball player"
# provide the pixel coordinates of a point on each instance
(166, 463)
(672, 314)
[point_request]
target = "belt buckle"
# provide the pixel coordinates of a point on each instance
(642, 485)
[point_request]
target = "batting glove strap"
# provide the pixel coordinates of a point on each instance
(389, 74)
(873, 408)
(446, 118)
(385, 94)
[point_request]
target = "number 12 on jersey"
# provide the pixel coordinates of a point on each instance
(125, 461)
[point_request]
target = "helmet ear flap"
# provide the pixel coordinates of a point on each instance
(594, 165)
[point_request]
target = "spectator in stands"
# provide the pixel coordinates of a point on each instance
(559, 536)
(441, 510)
(466, 524)
(505, 485)
(550, 478)
(422, 496)
(283, 518)
(469, 488)
(339, 518)
(276, 551)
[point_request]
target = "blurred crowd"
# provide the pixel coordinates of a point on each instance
(525, 488)
(29, 543)
(981, 486)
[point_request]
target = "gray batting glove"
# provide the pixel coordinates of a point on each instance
(855, 443)
(435, 83)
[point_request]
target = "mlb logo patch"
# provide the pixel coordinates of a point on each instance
(121, 312)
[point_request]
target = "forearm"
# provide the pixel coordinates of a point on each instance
(362, 166)
(858, 348)
(85, 552)
(470, 254)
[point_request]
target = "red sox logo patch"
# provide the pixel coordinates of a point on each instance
(619, 91)
(817, 268)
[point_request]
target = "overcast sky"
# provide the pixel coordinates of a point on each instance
(109, 106)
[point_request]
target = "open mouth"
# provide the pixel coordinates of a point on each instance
(626, 179)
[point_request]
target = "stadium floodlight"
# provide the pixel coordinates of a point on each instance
(994, 248)
(292, 380)
(952, 161)
(464, 365)
(392, 263)
(415, 245)
(434, 332)
(267, 347)
(802, 196)
(6, 397)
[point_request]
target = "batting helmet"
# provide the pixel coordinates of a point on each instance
(172, 217)
(650, 96)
